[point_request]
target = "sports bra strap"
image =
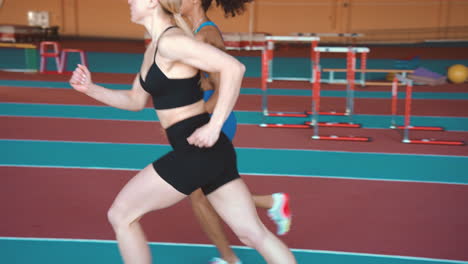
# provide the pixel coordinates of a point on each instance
(157, 43)
(204, 24)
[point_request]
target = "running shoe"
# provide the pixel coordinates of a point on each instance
(280, 213)
(221, 261)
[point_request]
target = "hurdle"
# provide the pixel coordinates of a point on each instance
(350, 70)
(60, 57)
(363, 70)
(46, 53)
(244, 41)
(323, 35)
(267, 75)
(407, 125)
(270, 46)
(351, 64)
(328, 37)
(394, 105)
(30, 56)
(316, 102)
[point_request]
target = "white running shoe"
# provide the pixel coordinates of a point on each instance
(221, 261)
(280, 213)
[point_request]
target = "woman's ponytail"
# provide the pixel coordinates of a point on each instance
(172, 7)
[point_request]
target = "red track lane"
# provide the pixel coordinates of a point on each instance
(371, 106)
(250, 136)
(248, 82)
(409, 219)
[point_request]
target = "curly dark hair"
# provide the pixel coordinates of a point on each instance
(230, 7)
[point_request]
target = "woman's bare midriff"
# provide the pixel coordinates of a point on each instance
(168, 117)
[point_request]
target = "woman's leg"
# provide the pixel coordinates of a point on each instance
(234, 204)
(145, 192)
(278, 210)
(211, 225)
(263, 201)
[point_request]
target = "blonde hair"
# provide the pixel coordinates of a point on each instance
(172, 7)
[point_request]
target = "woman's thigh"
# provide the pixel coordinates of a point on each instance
(233, 202)
(145, 192)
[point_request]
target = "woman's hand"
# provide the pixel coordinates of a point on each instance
(81, 79)
(204, 137)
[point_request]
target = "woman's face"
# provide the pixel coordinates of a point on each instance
(139, 9)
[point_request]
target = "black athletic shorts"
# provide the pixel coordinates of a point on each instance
(188, 167)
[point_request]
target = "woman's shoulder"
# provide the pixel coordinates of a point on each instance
(212, 36)
(172, 37)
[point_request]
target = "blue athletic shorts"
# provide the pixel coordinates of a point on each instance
(230, 126)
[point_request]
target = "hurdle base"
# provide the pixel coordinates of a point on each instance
(342, 138)
(419, 128)
(67, 72)
(335, 124)
(433, 142)
(309, 125)
(50, 72)
(303, 114)
(285, 125)
(285, 114)
(330, 113)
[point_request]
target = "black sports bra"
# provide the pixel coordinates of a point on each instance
(170, 93)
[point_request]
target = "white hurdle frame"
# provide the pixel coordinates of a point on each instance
(267, 69)
(351, 67)
(270, 46)
(407, 123)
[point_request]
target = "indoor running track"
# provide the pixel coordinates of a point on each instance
(64, 158)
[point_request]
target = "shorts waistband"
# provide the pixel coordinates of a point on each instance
(180, 131)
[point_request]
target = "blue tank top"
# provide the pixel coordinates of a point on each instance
(204, 24)
(170, 93)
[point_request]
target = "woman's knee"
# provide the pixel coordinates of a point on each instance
(118, 217)
(253, 235)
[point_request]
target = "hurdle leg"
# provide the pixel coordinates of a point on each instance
(350, 76)
(62, 62)
(264, 84)
(42, 64)
(84, 59)
(316, 103)
(265, 77)
(407, 126)
(363, 68)
(393, 124)
(394, 103)
(407, 113)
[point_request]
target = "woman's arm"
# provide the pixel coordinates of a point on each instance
(133, 100)
(212, 36)
(179, 47)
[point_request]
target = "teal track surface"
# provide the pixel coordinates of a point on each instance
(305, 163)
(106, 62)
(258, 91)
(94, 251)
(243, 117)
(252, 161)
